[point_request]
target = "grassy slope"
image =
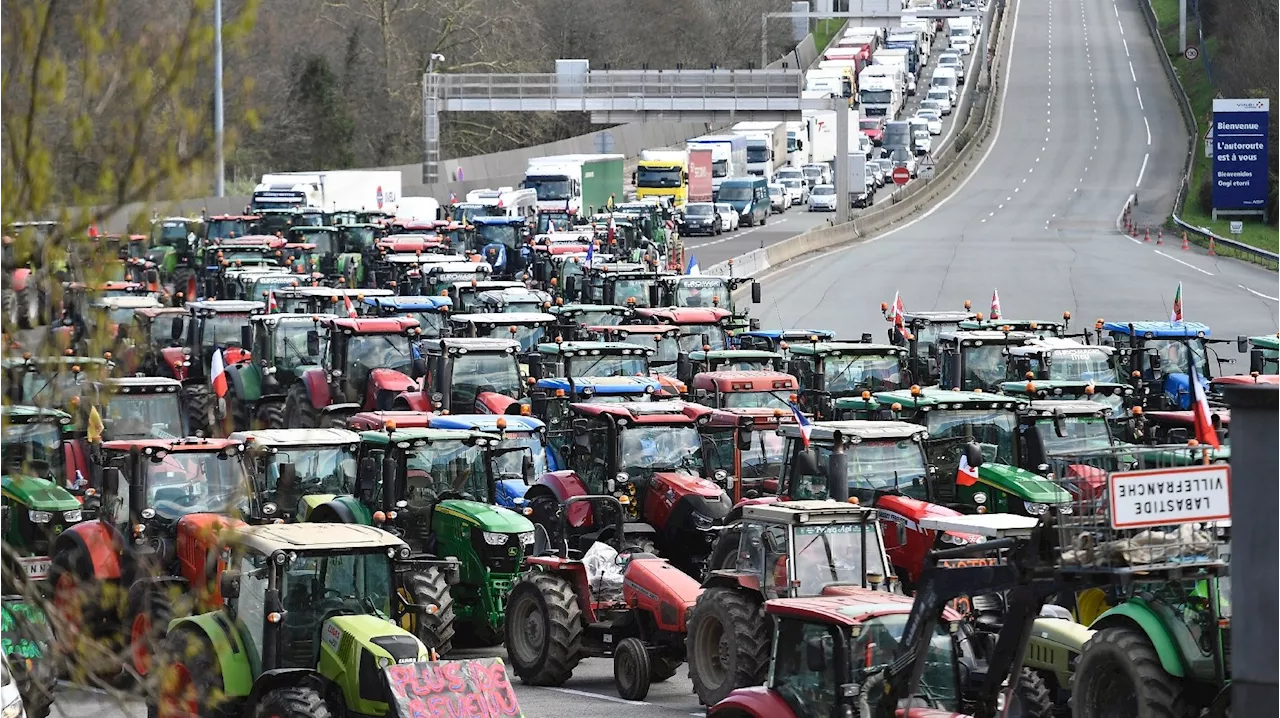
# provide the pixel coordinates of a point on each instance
(1195, 81)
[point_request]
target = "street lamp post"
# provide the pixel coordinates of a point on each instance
(431, 121)
(220, 187)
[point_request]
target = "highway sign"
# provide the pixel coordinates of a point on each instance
(1237, 227)
(1191, 53)
(926, 169)
(901, 175)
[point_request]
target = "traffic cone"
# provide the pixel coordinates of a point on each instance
(1160, 235)
(1211, 252)
(1185, 246)
(1147, 237)
(1133, 230)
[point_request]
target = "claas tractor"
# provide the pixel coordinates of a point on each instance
(44, 443)
(467, 376)
(213, 325)
(526, 329)
(228, 257)
(745, 389)
(921, 340)
(779, 340)
(303, 475)
(708, 291)
(153, 550)
(977, 359)
(648, 456)
(431, 311)
(318, 610)
(829, 371)
(176, 249)
(443, 278)
(743, 449)
(365, 365)
(257, 389)
(437, 489)
(689, 364)
(557, 614)
(768, 551)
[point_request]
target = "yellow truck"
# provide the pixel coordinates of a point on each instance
(663, 173)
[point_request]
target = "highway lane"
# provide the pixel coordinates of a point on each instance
(1036, 218)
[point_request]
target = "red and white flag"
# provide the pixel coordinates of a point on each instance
(995, 304)
(217, 374)
(899, 318)
(612, 230)
(351, 308)
(966, 475)
(1205, 432)
(272, 307)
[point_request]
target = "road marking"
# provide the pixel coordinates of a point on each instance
(1113, 7)
(1140, 105)
(1187, 264)
(601, 696)
(1143, 170)
(1007, 199)
(1260, 294)
(1121, 26)
(1126, 46)
(1000, 207)
(1148, 124)
(1132, 74)
(1015, 189)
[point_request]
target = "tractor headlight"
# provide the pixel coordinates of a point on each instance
(148, 513)
(526, 538)
(73, 516)
(383, 662)
(40, 517)
(14, 709)
(1035, 509)
(269, 509)
(1066, 509)
(495, 539)
(979, 498)
(702, 522)
(954, 540)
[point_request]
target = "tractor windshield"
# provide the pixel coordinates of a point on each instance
(432, 323)
(992, 429)
(509, 465)
(938, 681)
(170, 234)
(320, 469)
(144, 416)
(598, 366)
(34, 449)
(624, 290)
(702, 292)
(643, 450)
(325, 241)
(836, 553)
(529, 336)
(880, 465)
(984, 366)
(693, 337)
(441, 466)
(366, 352)
(508, 235)
(221, 330)
(227, 228)
(190, 482)
(874, 372)
(319, 585)
(762, 461)
(1083, 433)
(291, 346)
(757, 400)
(474, 374)
(1176, 355)
(358, 239)
(1082, 365)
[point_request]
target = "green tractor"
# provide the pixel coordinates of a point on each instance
(436, 489)
(257, 389)
(303, 475)
(1264, 353)
(177, 251)
(27, 645)
(830, 370)
(310, 619)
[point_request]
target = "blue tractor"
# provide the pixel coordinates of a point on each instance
(503, 243)
(1159, 357)
(517, 432)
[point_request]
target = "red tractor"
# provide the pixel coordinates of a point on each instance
(700, 327)
(648, 456)
(152, 552)
(556, 616)
(745, 444)
(365, 365)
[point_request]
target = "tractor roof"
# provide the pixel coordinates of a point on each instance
(291, 317)
(486, 422)
(427, 435)
(402, 256)
(1021, 325)
(1269, 341)
(685, 315)
(304, 537)
(245, 217)
(972, 338)
(494, 319)
(131, 301)
(939, 316)
(605, 385)
(845, 606)
(648, 412)
(378, 325)
(826, 431)
(248, 241)
(732, 354)
(461, 345)
(479, 286)
(297, 437)
(143, 385)
(936, 398)
(1048, 389)
(622, 330)
(416, 303)
(508, 293)
(1158, 330)
(734, 381)
(590, 348)
(1236, 379)
(339, 292)
(809, 512)
(498, 221)
(753, 417)
(23, 414)
(191, 444)
(1054, 344)
(376, 420)
(225, 306)
(839, 348)
(313, 228)
(791, 334)
(1069, 407)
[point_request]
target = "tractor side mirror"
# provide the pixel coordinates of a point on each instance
(1177, 436)
(570, 287)
(1060, 424)
(1021, 366)
(684, 367)
(111, 480)
(745, 438)
(313, 342)
(246, 336)
(1256, 361)
(367, 476)
(756, 292)
(229, 585)
(655, 295)
(1242, 344)
(286, 484)
(807, 463)
(526, 469)
(973, 455)
(815, 654)
(175, 329)
(418, 368)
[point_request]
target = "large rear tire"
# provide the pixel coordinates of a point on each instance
(728, 643)
(1032, 698)
(200, 409)
(1120, 676)
(298, 411)
(149, 616)
(429, 588)
(544, 629)
(188, 681)
(270, 415)
(292, 702)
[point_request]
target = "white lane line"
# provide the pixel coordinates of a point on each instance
(1143, 170)
(1000, 207)
(1132, 74)
(1260, 294)
(1126, 46)
(1140, 105)
(1015, 189)
(1113, 7)
(1121, 26)
(1148, 124)
(601, 696)
(735, 235)
(991, 214)
(1185, 264)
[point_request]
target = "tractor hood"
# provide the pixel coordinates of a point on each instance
(346, 507)
(1022, 484)
(485, 516)
(684, 484)
(371, 633)
(157, 254)
(1066, 633)
(39, 494)
(391, 380)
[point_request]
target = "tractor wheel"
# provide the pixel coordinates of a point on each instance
(728, 643)
(270, 415)
(631, 669)
(663, 667)
(200, 409)
(543, 511)
(292, 702)
(1119, 675)
(188, 678)
(298, 412)
(184, 281)
(429, 588)
(81, 618)
(149, 616)
(1031, 699)
(724, 554)
(544, 629)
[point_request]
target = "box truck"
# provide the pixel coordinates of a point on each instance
(728, 156)
(799, 141)
(880, 91)
(575, 183)
(328, 190)
(701, 180)
(663, 173)
(766, 146)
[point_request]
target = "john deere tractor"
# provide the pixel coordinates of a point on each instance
(257, 389)
(316, 613)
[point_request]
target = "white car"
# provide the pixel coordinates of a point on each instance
(953, 60)
(822, 198)
(942, 96)
(902, 157)
(923, 143)
(932, 106)
(963, 44)
(933, 119)
(728, 216)
(779, 197)
(815, 174)
(10, 696)
(797, 188)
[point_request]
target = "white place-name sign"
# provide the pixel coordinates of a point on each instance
(1162, 497)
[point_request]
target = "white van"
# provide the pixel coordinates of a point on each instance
(945, 77)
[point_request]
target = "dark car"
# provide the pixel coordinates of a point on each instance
(700, 218)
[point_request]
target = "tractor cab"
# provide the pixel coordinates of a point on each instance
(1050, 429)
(520, 448)
(229, 226)
(577, 320)
(323, 300)
(42, 444)
(568, 372)
(1264, 353)
(366, 364)
(112, 313)
(431, 311)
(591, 359)
(466, 294)
(44, 475)
(175, 247)
(921, 342)
(1065, 360)
(716, 360)
(144, 408)
(214, 324)
(501, 242)
(53, 381)
(779, 340)
(302, 475)
(621, 284)
(257, 389)
(324, 247)
(468, 375)
(257, 283)
(1043, 328)
(553, 221)
(728, 389)
(526, 329)
(665, 339)
(441, 277)
(409, 272)
(742, 449)
(706, 291)
(828, 371)
(705, 329)
(977, 359)
(513, 300)
(550, 397)
(1161, 356)
(1119, 398)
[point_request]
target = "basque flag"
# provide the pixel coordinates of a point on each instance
(995, 304)
(805, 427)
(1176, 314)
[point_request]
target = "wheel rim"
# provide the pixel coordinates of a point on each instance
(712, 652)
(139, 639)
(626, 669)
(178, 695)
(1113, 693)
(529, 632)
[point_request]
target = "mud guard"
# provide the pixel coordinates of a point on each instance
(144, 584)
(99, 543)
(174, 358)
(563, 485)
(412, 401)
(1141, 616)
(383, 387)
(756, 702)
(317, 386)
(232, 656)
(493, 403)
(336, 509)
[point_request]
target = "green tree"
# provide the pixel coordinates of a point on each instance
(318, 94)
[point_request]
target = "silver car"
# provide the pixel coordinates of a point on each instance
(822, 198)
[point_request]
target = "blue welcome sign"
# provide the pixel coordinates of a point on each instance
(1240, 177)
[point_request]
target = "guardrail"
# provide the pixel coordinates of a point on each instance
(625, 83)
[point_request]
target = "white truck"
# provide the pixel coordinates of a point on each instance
(328, 190)
(822, 146)
(898, 58)
(418, 209)
(574, 182)
(880, 89)
(728, 156)
(766, 146)
(511, 201)
(958, 28)
(799, 140)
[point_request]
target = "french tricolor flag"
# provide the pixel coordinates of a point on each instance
(805, 427)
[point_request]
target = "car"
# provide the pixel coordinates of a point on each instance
(885, 168)
(954, 61)
(728, 216)
(878, 172)
(815, 174)
(822, 198)
(933, 106)
(798, 190)
(701, 218)
(779, 197)
(787, 173)
(921, 141)
(933, 119)
(902, 157)
(865, 145)
(867, 196)
(942, 96)
(911, 84)
(872, 127)
(963, 44)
